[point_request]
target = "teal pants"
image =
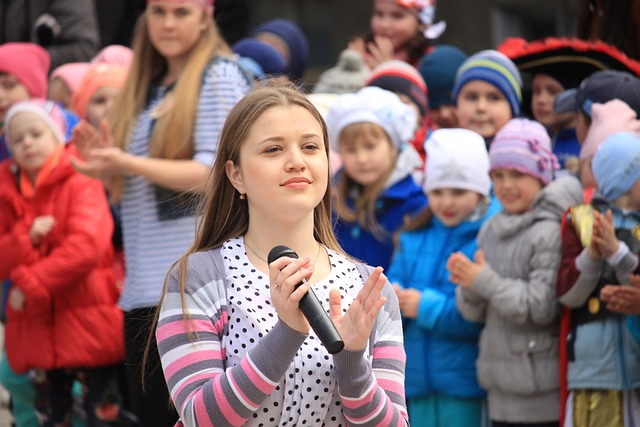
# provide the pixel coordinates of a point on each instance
(437, 410)
(22, 395)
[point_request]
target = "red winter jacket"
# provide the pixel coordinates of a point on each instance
(70, 317)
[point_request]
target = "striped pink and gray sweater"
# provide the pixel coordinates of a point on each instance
(236, 364)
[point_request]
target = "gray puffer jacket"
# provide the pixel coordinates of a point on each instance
(514, 295)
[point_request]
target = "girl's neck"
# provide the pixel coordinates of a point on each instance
(174, 69)
(263, 234)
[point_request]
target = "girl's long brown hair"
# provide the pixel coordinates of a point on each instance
(172, 136)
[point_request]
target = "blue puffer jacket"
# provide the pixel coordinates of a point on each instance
(399, 201)
(441, 346)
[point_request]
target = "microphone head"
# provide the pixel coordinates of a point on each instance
(280, 251)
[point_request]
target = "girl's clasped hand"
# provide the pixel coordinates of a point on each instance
(354, 325)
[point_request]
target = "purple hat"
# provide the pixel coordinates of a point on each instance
(524, 145)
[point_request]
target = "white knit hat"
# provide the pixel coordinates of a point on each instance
(457, 158)
(372, 105)
(48, 111)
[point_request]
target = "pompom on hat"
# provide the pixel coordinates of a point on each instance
(99, 75)
(606, 119)
(457, 158)
(399, 77)
(206, 5)
(348, 76)
(494, 68)
(47, 110)
(616, 164)
(294, 40)
(372, 105)
(438, 68)
(524, 145)
(29, 63)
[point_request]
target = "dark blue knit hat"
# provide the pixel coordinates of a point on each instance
(295, 40)
(269, 59)
(438, 69)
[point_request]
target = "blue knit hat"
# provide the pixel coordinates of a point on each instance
(494, 68)
(295, 40)
(267, 57)
(616, 164)
(438, 69)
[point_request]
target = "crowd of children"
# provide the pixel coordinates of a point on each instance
(142, 191)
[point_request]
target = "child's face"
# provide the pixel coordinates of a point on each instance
(453, 205)
(481, 107)
(283, 166)
(174, 28)
(59, 92)
(545, 89)
(444, 116)
(100, 104)
(31, 142)
(514, 189)
(11, 92)
(397, 23)
(366, 159)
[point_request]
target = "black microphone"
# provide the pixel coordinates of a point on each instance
(311, 308)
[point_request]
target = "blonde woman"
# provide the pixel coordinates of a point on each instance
(154, 155)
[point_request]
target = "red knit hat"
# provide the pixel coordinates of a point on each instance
(29, 63)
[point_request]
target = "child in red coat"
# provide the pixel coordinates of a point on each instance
(55, 237)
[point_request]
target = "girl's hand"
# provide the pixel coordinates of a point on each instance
(464, 271)
(40, 228)
(380, 50)
(16, 299)
(604, 236)
(101, 163)
(101, 159)
(284, 274)
(409, 300)
(85, 137)
(356, 324)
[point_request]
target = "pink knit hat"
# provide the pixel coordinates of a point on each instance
(114, 54)
(29, 63)
(606, 119)
(524, 145)
(99, 75)
(207, 5)
(71, 74)
(47, 110)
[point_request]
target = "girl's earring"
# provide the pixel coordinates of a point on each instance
(242, 197)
